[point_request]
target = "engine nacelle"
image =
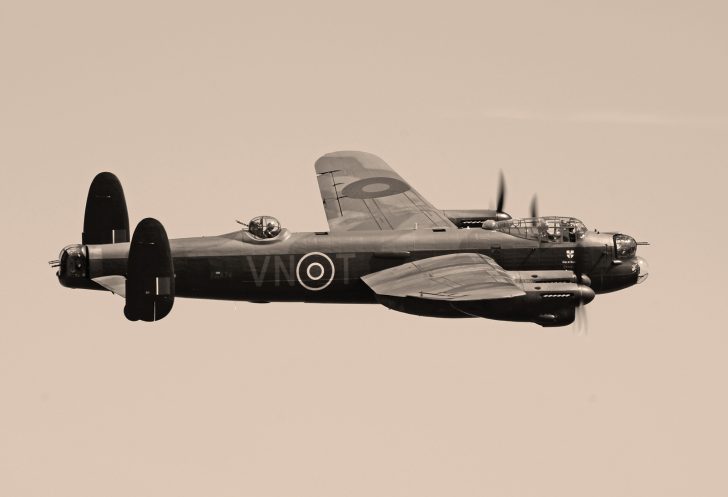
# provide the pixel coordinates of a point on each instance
(474, 218)
(547, 304)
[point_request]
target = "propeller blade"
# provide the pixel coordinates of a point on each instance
(581, 323)
(501, 192)
(534, 206)
(586, 295)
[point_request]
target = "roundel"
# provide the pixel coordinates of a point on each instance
(315, 271)
(377, 187)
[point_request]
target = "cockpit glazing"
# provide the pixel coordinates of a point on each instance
(554, 229)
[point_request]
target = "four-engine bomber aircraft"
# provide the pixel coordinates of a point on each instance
(386, 244)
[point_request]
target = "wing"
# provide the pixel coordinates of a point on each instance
(453, 277)
(361, 192)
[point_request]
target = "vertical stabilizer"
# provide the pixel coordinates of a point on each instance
(150, 273)
(106, 219)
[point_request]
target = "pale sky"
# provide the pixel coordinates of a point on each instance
(615, 113)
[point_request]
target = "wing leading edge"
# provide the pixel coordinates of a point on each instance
(361, 192)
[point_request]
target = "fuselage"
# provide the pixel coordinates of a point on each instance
(327, 267)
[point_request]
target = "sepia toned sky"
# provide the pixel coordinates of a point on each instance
(613, 112)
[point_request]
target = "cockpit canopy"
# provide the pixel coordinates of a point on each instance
(264, 227)
(544, 229)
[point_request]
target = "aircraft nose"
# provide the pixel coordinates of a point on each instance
(643, 270)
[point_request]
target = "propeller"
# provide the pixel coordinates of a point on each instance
(501, 192)
(502, 199)
(500, 214)
(581, 322)
(586, 294)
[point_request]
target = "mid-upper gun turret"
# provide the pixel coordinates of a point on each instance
(263, 229)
